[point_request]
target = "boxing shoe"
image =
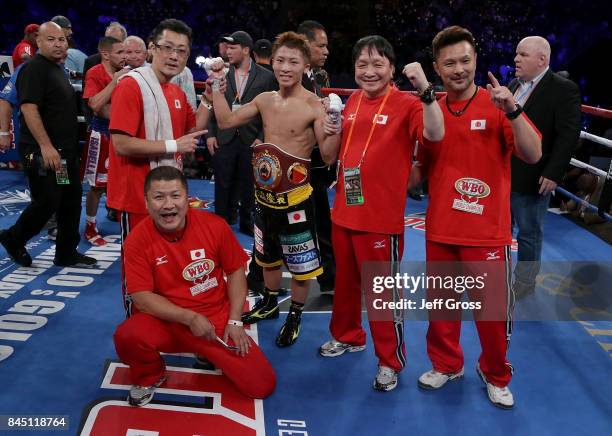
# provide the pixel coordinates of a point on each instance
(290, 331)
(266, 308)
(93, 236)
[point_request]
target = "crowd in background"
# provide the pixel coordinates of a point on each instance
(573, 28)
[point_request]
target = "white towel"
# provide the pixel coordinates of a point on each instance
(157, 121)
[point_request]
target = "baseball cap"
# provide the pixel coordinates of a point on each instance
(262, 46)
(31, 28)
(239, 37)
(62, 21)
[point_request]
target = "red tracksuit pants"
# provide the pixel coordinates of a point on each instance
(494, 323)
(351, 249)
(141, 337)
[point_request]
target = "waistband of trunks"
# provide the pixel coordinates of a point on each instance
(284, 200)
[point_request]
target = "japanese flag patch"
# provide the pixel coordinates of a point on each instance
(197, 254)
(298, 216)
(478, 124)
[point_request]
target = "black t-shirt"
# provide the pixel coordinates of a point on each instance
(45, 84)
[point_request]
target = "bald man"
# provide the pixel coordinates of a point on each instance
(48, 147)
(552, 103)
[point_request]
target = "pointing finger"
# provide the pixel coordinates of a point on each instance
(198, 133)
(493, 80)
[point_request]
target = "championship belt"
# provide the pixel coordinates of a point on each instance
(281, 179)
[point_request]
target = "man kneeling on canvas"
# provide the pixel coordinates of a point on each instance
(175, 264)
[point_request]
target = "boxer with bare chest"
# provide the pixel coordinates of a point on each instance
(294, 119)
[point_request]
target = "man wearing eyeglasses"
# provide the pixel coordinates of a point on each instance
(151, 124)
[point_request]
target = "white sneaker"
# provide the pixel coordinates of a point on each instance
(334, 348)
(142, 395)
(501, 397)
(386, 379)
(435, 380)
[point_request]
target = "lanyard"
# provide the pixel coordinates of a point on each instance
(242, 83)
(350, 135)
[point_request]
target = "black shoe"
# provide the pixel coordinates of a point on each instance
(260, 311)
(19, 254)
(290, 331)
(73, 260)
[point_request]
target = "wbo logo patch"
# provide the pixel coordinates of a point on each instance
(472, 187)
(198, 269)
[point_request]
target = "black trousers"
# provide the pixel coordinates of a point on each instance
(320, 179)
(232, 164)
(48, 198)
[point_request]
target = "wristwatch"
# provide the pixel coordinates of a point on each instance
(515, 113)
(5, 133)
(234, 322)
(428, 95)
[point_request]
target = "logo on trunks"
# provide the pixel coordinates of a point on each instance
(177, 104)
(197, 272)
(267, 170)
(258, 239)
(298, 248)
(471, 191)
(297, 173)
(270, 198)
(303, 262)
(299, 216)
(296, 259)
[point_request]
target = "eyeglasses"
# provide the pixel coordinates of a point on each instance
(167, 50)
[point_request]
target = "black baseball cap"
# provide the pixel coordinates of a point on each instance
(262, 47)
(62, 21)
(239, 37)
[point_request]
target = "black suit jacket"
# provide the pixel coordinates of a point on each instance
(554, 108)
(260, 80)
